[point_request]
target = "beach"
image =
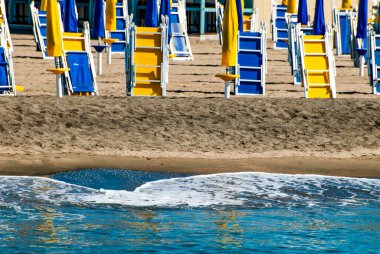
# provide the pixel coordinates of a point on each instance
(194, 129)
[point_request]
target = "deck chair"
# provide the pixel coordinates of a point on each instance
(180, 46)
(7, 79)
(251, 59)
(293, 52)
(39, 29)
(118, 47)
(4, 20)
(318, 73)
(374, 61)
(251, 22)
(147, 60)
(279, 26)
(80, 77)
(219, 8)
(343, 22)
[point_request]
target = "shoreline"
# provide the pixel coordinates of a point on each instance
(47, 164)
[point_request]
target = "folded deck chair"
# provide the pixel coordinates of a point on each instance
(118, 47)
(7, 80)
(147, 57)
(293, 52)
(39, 29)
(343, 23)
(80, 78)
(374, 61)
(251, 59)
(4, 20)
(279, 26)
(317, 65)
(180, 46)
(219, 8)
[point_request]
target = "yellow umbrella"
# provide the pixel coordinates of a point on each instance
(230, 34)
(292, 6)
(346, 4)
(44, 4)
(284, 2)
(53, 26)
(111, 15)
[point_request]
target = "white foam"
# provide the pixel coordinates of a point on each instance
(232, 189)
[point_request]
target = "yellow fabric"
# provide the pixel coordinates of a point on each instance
(230, 33)
(284, 2)
(346, 4)
(111, 15)
(53, 26)
(292, 6)
(44, 4)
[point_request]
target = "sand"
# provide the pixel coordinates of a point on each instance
(192, 130)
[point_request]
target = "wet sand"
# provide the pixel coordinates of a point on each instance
(281, 132)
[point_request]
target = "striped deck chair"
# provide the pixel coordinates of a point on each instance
(374, 61)
(80, 79)
(317, 65)
(7, 79)
(251, 59)
(343, 25)
(279, 26)
(180, 46)
(147, 60)
(118, 47)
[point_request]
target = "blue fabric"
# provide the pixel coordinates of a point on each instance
(98, 26)
(361, 31)
(3, 70)
(165, 10)
(240, 15)
(62, 5)
(80, 72)
(151, 14)
(302, 15)
(71, 21)
(319, 25)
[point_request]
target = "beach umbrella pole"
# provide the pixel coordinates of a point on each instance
(58, 78)
(109, 55)
(100, 64)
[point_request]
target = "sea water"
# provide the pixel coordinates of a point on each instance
(115, 211)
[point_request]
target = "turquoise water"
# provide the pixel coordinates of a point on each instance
(109, 211)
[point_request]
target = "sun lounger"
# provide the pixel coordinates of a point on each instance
(219, 8)
(279, 26)
(147, 57)
(4, 20)
(374, 61)
(251, 67)
(119, 35)
(343, 24)
(317, 65)
(39, 29)
(294, 53)
(180, 44)
(80, 76)
(7, 80)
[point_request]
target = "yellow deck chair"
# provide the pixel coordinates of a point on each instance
(317, 63)
(147, 57)
(80, 76)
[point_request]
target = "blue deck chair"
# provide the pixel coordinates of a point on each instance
(279, 26)
(80, 79)
(251, 63)
(118, 47)
(39, 29)
(374, 61)
(343, 23)
(180, 44)
(7, 81)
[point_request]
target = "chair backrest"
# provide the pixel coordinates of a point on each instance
(120, 32)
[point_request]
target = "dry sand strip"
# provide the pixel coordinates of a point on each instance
(193, 128)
